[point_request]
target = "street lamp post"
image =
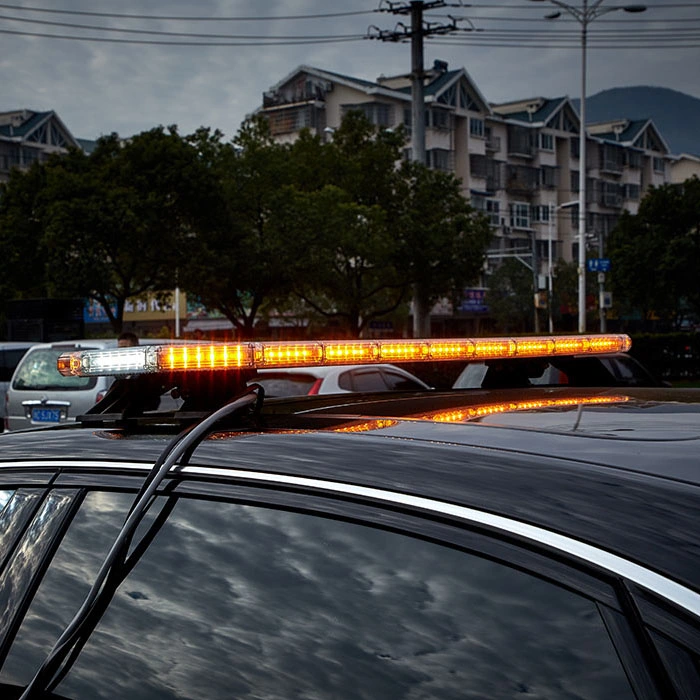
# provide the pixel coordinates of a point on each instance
(553, 210)
(584, 15)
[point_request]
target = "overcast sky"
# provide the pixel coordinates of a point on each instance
(107, 85)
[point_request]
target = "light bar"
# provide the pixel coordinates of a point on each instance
(220, 356)
(479, 411)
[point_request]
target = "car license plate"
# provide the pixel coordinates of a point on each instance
(46, 415)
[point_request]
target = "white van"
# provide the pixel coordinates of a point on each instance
(39, 396)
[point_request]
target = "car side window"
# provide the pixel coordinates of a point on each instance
(362, 380)
(5, 496)
(246, 601)
(397, 382)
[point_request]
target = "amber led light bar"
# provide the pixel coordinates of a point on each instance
(221, 356)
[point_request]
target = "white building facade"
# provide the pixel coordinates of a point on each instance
(518, 161)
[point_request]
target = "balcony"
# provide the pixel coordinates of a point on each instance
(522, 180)
(521, 142)
(493, 144)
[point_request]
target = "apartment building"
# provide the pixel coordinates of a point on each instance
(27, 136)
(684, 166)
(518, 161)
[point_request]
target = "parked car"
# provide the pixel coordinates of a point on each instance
(40, 396)
(613, 369)
(10, 354)
(337, 380)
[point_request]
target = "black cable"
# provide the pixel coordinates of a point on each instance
(156, 32)
(181, 445)
(109, 40)
(184, 18)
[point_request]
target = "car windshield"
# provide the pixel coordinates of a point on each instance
(291, 384)
(38, 372)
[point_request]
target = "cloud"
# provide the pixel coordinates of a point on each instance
(100, 87)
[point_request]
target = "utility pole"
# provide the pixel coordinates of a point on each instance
(416, 33)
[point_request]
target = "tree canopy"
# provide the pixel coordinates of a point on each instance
(655, 254)
(339, 227)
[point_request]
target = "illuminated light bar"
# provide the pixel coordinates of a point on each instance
(199, 357)
(287, 354)
(221, 356)
(473, 412)
(452, 350)
(494, 348)
(350, 353)
(378, 424)
(129, 360)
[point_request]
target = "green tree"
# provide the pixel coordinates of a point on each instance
(385, 232)
(655, 254)
(510, 297)
(442, 240)
(345, 209)
(23, 260)
(241, 263)
(117, 222)
(349, 255)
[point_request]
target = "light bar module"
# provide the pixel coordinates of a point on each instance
(235, 356)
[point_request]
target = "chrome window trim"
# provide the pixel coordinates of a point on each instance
(651, 580)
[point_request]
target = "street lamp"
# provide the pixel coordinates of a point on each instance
(584, 15)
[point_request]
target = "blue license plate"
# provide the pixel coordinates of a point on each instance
(46, 415)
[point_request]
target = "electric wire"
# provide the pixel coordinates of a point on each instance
(92, 27)
(184, 18)
(147, 42)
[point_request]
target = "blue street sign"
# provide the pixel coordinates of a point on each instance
(598, 265)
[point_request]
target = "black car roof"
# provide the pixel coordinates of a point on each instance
(623, 474)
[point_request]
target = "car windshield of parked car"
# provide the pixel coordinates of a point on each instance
(285, 383)
(38, 372)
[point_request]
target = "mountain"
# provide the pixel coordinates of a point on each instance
(675, 114)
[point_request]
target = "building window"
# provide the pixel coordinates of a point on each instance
(546, 142)
(379, 113)
(548, 177)
(437, 118)
(540, 213)
(520, 215)
(477, 165)
(287, 121)
(634, 159)
(659, 166)
(521, 141)
(574, 147)
(632, 191)
(490, 207)
(574, 180)
(438, 158)
(476, 127)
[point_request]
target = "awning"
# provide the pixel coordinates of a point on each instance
(208, 324)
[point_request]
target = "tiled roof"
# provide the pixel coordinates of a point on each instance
(87, 145)
(541, 115)
(352, 79)
(628, 134)
(435, 85)
(26, 126)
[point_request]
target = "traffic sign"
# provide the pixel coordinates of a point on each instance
(598, 264)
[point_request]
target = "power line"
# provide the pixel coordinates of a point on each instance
(571, 20)
(188, 18)
(147, 42)
(155, 32)
(548, 45)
